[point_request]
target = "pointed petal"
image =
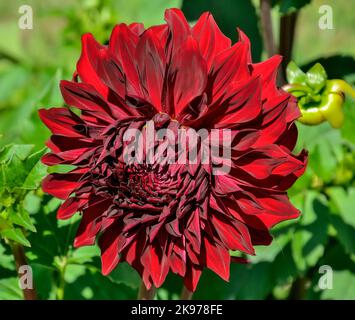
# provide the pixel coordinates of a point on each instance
(217, 258)
(61, 121)
(87, 64)
(151, 67)
(108, 243)
(188, 73)
(210, 38)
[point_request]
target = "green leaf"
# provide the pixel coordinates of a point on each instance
(6, 259)
(268, 253)
(84, 255)
(22, 151)
(316, 77)
(284, 267)
(310, 237)
(253, 281)
(344, 202)
(325, 147)
(125, 274)
(44, 281)
(294, 74)
(11, 80)
(343, 286)
(93, 285)
(20, 170)
(10, 289)
(345, 233)
(16, 235)
(36, 170)
(22, 218)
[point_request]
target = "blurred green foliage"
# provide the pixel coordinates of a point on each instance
(31, 64)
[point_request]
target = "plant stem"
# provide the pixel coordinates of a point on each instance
(20, 260)
(298, 289)
(287, 35)
(61, 265)
(186, 294)
(146, 294)
(60, 289)
(266, 23)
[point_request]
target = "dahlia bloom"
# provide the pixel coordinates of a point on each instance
(162, 217)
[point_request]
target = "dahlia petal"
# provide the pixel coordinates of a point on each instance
(235, 219)
(189, 71)
(293, 112)
(84, 97)
(260, 237)
(137, 28)
(108, 243)
(194, 257)
(86, 66)
(111, 74)
(233, 234)
(192, 276)
(210, 38)
(243, 38)
(155, 263)
(268, 72)
(51, 159)
(177, 259)
(217, 258)
(272, 131)
(178, 28)
(69, 156)
(134, 248)
(269, 160)
(69, 207)
(244, 139)
(173, 228)
(91, 223)
(61, 185)
(61, 121)
(230, 65)
(225, 184)
(270, 208)
(177, 265)
(151, 67)
(122, 46)
(161, 32)
(275, 106)
(193, 231)
(230, 110)
(59, 143)
(236, 100)
(260, 168)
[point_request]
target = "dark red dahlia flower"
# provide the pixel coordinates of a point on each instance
(160, 216)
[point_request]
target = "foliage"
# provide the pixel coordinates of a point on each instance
(20, 176)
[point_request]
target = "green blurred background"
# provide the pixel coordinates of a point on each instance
(32, 62)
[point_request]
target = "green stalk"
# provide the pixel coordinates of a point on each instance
(146, 294)
(186, 294)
